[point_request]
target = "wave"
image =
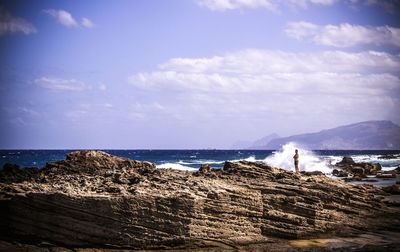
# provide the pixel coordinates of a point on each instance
(331, 160)
(308, 161)
(283, 158)
(249, 159)
(200, 161)
(175, 166)
(365, 158)
(386, 163)
(389, 168)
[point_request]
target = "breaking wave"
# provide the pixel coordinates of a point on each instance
(308, 161)
(176, 166)
(283, 158)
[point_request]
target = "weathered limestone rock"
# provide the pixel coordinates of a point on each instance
(93, 199)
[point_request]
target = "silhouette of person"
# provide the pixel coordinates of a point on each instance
(296, 161)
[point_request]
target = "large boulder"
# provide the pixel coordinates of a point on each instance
(205, 168)
(93, 199)
(97, 163)
(346, 161)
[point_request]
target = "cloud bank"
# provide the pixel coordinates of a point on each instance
(344, 35)
(251, 85)
(276, 71)
(221, 5)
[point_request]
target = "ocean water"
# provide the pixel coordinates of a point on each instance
(191, 159)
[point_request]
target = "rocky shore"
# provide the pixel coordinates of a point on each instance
(363, 172)
(95, 200)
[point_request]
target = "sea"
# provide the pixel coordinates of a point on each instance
(310, 160)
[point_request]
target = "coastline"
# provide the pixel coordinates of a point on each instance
(243, 204)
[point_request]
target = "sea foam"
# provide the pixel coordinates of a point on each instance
(176, 166)
(308, 161)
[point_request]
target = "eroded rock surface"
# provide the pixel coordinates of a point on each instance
(93, 199)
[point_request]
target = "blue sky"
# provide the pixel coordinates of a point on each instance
(192, 73)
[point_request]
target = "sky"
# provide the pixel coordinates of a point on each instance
(179, 74)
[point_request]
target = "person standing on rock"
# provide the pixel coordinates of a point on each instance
(296, 160)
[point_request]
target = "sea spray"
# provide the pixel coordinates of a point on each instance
(251, 159)
(308, 161)
(176, 166)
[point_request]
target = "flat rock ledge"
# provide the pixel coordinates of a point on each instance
(96, 200)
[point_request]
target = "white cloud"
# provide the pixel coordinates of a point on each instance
(276, 72)
(87, 23)
(323, 2)
(390, 6)
(58, 84)
(305, 3)
(65, 18)
(261, 85)
(272, 5)
(254, 62)
(344, 35)
(10, 24)
(284, 83)
(221, 5)
(301, 30)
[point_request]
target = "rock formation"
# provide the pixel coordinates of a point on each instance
(93, 199)
(348, 166)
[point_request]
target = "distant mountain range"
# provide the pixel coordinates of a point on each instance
(369, 135)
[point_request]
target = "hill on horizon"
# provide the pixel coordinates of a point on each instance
(368, 135)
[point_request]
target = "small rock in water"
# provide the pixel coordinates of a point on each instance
(348, 166)
(346, 161)
(205, 168)
(339, 173)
